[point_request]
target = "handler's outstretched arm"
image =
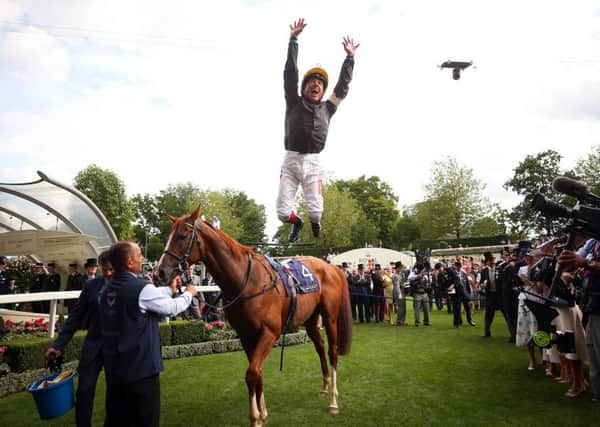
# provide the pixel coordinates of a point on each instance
(349, 46)
(297, 27)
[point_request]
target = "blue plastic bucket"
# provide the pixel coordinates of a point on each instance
(56, 399)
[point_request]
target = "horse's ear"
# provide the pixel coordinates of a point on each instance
(195, 214)
(172, 218)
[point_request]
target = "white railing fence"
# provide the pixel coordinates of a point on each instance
(54, 297)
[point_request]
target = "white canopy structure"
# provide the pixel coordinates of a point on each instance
(371, 256)
(51, 221)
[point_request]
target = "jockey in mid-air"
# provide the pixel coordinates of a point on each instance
(306, 125)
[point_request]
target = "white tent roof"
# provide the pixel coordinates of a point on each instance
(51, 221)
(369, 256)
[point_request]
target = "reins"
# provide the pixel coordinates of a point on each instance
(183, 264)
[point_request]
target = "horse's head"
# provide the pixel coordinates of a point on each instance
(183, 248)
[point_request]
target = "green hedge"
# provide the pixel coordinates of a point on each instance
(24, 354)
(164, 330)
(187, 332)
(28, 353)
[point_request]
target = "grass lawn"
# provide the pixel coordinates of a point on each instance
(394, 376)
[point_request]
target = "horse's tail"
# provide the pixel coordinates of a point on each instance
(344, 321)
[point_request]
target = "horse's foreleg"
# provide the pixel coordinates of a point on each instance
(257, 407)
(315, 336)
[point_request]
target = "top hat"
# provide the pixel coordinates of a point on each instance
(91, 262)
(51, 264)
(344, 264)
(73, 264)
(361, 266)
(487, 256)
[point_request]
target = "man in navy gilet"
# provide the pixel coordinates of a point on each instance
(130, 309)
(86, 315)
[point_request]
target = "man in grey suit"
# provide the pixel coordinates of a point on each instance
(398, 294)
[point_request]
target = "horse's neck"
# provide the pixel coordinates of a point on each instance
(225, 262)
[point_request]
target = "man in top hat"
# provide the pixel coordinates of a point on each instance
(488, 284)
(362, 283)
(399, 293)
(51, 284)
(37, 285)
(306, 124)
(85, 314)
(91, 267)
(75, 282)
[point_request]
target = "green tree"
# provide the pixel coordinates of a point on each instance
(344, 223)
(252, 216)
(535, 173)
(377, 200)
(587, 170)
(454, 200)
(406, 230)
(107, 191)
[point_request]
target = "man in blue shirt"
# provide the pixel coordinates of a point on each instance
(130, 308)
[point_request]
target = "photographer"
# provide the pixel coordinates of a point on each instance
(419, 285)
(588, 258)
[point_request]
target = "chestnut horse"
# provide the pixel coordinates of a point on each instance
(255, 301)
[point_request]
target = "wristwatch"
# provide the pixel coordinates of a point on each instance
(591, 263)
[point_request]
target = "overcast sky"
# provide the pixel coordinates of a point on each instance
(166, 92)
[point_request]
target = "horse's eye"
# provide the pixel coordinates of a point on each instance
(181, 237)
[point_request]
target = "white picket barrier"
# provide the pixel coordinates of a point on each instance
(54, 297)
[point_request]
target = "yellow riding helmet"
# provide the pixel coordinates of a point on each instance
(316, 73)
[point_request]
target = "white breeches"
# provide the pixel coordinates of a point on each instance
(300, 169)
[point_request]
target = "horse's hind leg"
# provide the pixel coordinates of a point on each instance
(331, 329)
(313, 333)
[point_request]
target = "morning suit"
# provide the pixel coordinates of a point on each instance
(85, 314)
(488, 283)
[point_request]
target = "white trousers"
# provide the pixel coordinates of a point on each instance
(300, 169)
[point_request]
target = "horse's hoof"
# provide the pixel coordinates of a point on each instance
(323, 393)
(334, 410)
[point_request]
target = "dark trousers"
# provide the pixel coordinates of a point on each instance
(86, 390)
(133, 404)
(354, 301)
(491, 306)
(509, 310)
(456, 301)
(364, 307)
(378, 306)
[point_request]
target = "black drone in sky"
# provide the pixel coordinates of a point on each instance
(457, 67)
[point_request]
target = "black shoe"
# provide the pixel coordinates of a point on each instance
(471, 323)
(296, 227)
(486, 336)
(512, 340)
(316, 228)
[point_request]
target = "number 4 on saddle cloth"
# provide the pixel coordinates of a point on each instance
(296, 276)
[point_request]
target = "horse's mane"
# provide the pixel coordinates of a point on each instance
(230, 241)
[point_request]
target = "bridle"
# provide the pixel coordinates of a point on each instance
(182, 260)
(183, 264)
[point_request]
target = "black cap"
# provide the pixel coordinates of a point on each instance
(73, 264)
(91, 262)
(51, 264)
